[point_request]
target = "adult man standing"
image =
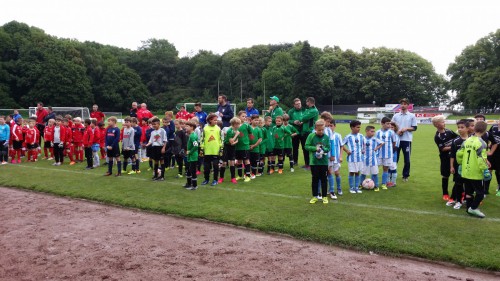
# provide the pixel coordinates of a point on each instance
(274, 109)
(50, 115)
(224, 110)
(99, 116)
(133, 110)
(40, 116)
(295, 114)
(251, 110)
(308, 120)
(407, 123)
(143, 112)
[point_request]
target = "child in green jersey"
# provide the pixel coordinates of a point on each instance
(192, 156)
(289, 134)
(262, 147)
(318, 145)
(255, 145)
(243, 146)
(228, 153)
(269, 145)
(279, 132)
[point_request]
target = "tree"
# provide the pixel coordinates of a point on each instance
(306, 80)
(278, 76)
(475, 74)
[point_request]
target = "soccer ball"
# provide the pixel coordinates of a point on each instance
(368, 184)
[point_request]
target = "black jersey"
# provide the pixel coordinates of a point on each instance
(494, 134)
(444, 139)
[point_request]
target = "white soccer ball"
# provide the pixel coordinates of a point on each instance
(368, 184)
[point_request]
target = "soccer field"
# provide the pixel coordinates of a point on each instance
(410, 219)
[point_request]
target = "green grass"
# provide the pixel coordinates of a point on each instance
(410, 219)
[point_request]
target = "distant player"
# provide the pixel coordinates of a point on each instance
(113, 146)
(4, 141)
(192, 157)
(337, 150)
(229, 150)
(318, 145)
(32, 138)
(59, 141)
(393, 169)
(243, 147)
(128, 143)
(255, 145)
(87, 140)
(443, 139)
(290, 133)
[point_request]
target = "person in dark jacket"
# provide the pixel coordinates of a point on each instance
(224, 110)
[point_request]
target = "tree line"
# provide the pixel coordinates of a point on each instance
(35, 66)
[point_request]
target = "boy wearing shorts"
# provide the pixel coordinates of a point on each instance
(386, 152)
(354, 146)
(370, 163)
(243, 147)
(113, 147)
(158, 144)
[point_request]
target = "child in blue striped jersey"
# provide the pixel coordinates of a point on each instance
(370, 163)
(386, 152)
(354, 146)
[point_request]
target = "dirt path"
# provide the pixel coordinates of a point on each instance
(52, 238)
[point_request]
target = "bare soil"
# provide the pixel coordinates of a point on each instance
(53, 238)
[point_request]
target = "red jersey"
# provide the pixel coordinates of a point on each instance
(17, 133)
(183, 114)
(40, 115)
(69, 134)
(48, 133)
(99, 116)
(143, 135)
(102, 136)
(97, 136)
(32, 135)
(88, 137)
(78, 131)
(143, 113)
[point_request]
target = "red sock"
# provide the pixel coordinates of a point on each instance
(80, 154)
(34, 154)
(51, 152)
(18, 154)
(45, 152)
(70, 155)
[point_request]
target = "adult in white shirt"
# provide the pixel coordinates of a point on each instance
(407, 124)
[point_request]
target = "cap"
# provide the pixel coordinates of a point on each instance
(405, 100)
(275, 98)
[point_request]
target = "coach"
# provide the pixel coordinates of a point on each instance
(224, 110)
(308, 120)
(274, 109)
(40, 113)
(295, 114)
(407, 124)
(98, 115)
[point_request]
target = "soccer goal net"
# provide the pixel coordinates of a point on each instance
(207, 107)
(82, 112)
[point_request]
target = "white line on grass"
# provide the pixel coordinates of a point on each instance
(412, 211)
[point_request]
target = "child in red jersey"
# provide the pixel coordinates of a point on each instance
(68, 145)
(144, 126)
(32, 138)
(17, 138)
(102, 139)
(78, 130)
(96, 142)
(60, 134)
(48, 136)
(88, 137)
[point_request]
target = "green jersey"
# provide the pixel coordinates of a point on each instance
(270, 138)
(263, 143)
(192, 147)
(296, 115)
(309, 119)
(288, 135)
(312, 143)
(472, 157)
(277, 111)
(279, 133)
(211, 142)
(245, 131)
(256, 136)
(229, 135)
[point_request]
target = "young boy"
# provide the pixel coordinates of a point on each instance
(262, 146)
(457, 192)
(393, 169)
(211, 145)
(96, 142)
(354, 146)
(48, 137)
(327, 118)
(279, 131)
(68, 145)
(229, 151)
(243, 147)
(102, 139)
(78, 130)
(472, 157)
(337, 150)
(270, 144)
(137, 145)
(158, 144)
(147, 149)
(32, 138)
(59, 141)
(443, 139)
(370, 163)
(386, 152)
(4, 141)
(179, 146)
(318, 145)
(88, 138)
(192, 157)
(255, 141)
(128, 143)
(17, 137)
(113, 146)
(291, 132)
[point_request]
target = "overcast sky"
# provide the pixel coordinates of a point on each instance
(437, 30)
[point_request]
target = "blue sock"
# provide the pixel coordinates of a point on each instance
(385, 176)
(351, 182)
(394, 177)
(119, 164)
(356, 181)
(110, 166)
(362, 178)
(330, 183)
(337, 179)
(375, 179)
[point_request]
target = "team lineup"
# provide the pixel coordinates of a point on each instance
(251, 145)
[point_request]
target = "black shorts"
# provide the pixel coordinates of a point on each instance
(46, 144)
(156, 153)
(17, 144)
(254, 157)
(128, 153)
(495, 160)
(288, 152)
(32, 146)
(241, 154)
(113, 152)
(229, 153)
(269, 153)
(148, 151)
(278, 152)
(445, 165)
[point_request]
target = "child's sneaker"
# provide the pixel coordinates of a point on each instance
(198, 172)
(450, 202)
(160, 179)
(359, 191)
(13, 161)
(280, 171)
(313, 200)
(131, 172)
(238, 178)
(384, 187)
(339, 192)
(271, 171)
(118, 175)
(187, 186)
(258, 175)
(446, 197)
(107, 174)
(18, 161)
(204, 183)
(475, 212)
(376, 189)
(325, 200)
(457, 206)
(221, 180)
(319, 197)
(498, 193)
(247, 179)
(179, 176)
(72, 163)
(214, 183)
(292, 170)
(3, 163)
(252, 176)
(234, 181)
(390, 184)
(352, 190)
(333, 196)
(193, 188)
(50, 158)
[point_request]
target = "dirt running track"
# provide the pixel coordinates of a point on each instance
(53, 238)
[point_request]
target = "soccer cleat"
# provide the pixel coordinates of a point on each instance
(18, 161)
(221, 180)
(89, 168)
(50, 158)
(359, 191)
(292, 170)
(187, 186)
(258, 175)
(154, 178)
(214, 183)
(13, 161)
(450, 202)
(446, 197)
(498, 193)
(339, 192)
(376, 189)
(238, 178)
(247, 179)
(457, 206)
(319, 197)
(55, 164)
(271, 171)
(193, 188)
(390, 184)
(118, 175)
(132, 172)
(313, 200)
(149, 169)
(198, 172)
(475, 212)
(107, 174)
(252, 176)
(138, 171)
(352, 191)
(384, 187)
(333, 196)
(234, 181)
(280, 171)
(179, 176)
(72, 163)
(405, 179)
(160, 179)
(3, 162)
(325, 200)
(204, 182)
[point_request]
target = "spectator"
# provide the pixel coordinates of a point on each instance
(251, 110)
(200, 114)
(99, 116)
(295, 114)
(407, 124)
(51, 115)
(182, 114)
(133, 110)
(143, 112)
(224, 110)
(16, 115)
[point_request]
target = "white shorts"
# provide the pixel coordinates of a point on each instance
(394, 166)
(335, 166)
(370, 170)
(355, 167)
(386, 162)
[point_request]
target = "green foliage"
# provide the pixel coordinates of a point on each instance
(475, 74)
(306, 79)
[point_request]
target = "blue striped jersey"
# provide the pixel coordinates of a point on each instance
(396, 146)
(388, 138)
(356, 144)
(370, 154)
(336, 145)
